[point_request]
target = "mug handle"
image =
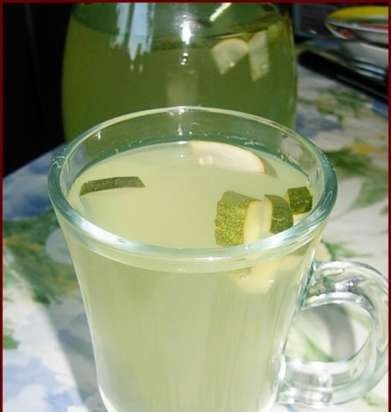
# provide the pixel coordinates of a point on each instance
(316, 383)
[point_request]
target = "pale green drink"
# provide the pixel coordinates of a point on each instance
(192, 232)
(124, 58)
(192, 341)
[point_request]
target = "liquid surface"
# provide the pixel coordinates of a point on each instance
(177, 206)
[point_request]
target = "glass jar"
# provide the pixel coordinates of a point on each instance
(126, 57)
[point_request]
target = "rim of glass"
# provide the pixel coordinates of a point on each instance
(297, 234)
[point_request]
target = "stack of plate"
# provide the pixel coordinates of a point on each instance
(363, 34)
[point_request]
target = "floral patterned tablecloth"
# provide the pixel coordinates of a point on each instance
(48, 360)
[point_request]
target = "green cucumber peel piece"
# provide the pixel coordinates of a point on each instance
(110, 183)
(241, 219)
(230, 219)
(282, 217)
(300, 199)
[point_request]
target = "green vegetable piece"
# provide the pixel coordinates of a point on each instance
(242, 219)
(110, 183)
(282, 217)
(300, 199)
(232, 211)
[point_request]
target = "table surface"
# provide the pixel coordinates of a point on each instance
(48, 360)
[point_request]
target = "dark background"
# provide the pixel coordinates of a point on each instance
(34, 37)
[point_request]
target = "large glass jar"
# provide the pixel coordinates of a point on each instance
(126, 57)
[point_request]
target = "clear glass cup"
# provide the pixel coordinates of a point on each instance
(169, 330)
(125, 57)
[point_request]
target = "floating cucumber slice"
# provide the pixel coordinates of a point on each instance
(227, 53)
(241, 219)
(261, 277)
(252, 281)
(234, 213)
(281, 216)
(300, 199)
(228, 156)
(259, 55)
(269, 169)
(110, 183)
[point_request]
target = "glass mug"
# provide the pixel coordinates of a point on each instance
(169, 331)
(138, 56)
